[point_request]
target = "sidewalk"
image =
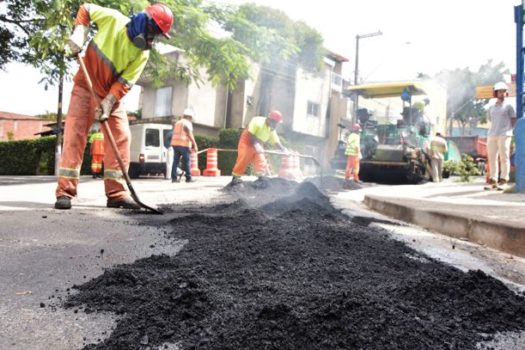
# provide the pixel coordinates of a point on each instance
(460, 210)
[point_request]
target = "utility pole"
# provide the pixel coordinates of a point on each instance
(58, 145)
(356, 71)
(519, 129)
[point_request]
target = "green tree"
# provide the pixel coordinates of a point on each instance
(278, 43)
(34, 32)
(462, 106)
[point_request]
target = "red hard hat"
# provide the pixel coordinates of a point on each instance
(356, 127)
(162, 16)
(276, 115)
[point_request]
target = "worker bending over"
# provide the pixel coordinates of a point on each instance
(251, 150)
(114, 59)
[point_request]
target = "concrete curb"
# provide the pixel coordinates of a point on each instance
(500, 235)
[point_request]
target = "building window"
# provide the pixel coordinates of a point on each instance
(163, 102)
(152, 138)
(312, 109)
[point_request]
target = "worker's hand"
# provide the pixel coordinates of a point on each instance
(258, 148)
(195, 148)
(103, 111)
(76, 40)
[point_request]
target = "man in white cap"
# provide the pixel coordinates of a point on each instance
(183, 143)
(499, 137)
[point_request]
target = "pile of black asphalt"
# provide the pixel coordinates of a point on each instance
(280, 268)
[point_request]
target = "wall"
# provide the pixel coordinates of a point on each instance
(22, 129)
(287, 89)
(314, 88)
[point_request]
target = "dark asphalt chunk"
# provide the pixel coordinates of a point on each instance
(293, 273)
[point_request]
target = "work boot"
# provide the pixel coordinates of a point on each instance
(63, 202)
(124, 203)
(190, 179)
(236, 180)
(492, 185)
(502, 185)
(262, 182)
(176, 179)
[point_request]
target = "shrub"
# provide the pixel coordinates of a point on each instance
(464, 169)
(28, 157)
(228, 139)
(33, 157)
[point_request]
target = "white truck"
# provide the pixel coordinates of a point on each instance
(148, 154)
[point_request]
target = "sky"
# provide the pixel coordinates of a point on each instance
(418, 36)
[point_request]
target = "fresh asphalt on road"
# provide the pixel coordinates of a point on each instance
(44, 252)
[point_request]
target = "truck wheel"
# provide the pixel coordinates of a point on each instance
(134, 171)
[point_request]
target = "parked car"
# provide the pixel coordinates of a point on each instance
(148, 153)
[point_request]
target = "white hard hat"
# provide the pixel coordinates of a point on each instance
(189, 112)
(500, 86)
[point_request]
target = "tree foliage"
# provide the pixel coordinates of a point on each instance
(35, 32)
(272, 37)
(462, 105)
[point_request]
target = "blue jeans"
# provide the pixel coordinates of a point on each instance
(179, 151)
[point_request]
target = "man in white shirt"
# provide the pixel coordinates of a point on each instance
(499, 137)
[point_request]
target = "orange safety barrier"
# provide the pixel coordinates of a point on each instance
(194, 164)
(290, 168)
(211, 163)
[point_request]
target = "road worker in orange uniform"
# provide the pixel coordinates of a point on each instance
(114, 59)
(353, 153)
(183, 143)
(250, 149)
(97, 153)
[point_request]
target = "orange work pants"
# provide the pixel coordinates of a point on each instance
(79, 119)
(352, 168)
(246, 154)
(96, 163)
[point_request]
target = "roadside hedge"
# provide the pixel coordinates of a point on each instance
(37, 157)
(228, 139)
(27, 157)
(33, 157)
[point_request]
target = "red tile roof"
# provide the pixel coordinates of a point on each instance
(13, 116)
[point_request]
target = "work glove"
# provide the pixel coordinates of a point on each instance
(103, 111)
(76, 40)
(258, 148)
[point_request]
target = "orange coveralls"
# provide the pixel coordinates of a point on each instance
(114, 65)
(246, 151)
(97, 152)
(352, 152)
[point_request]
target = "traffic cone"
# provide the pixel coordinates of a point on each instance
(290, 168)
(194, 161)
(286, 168)
(211, 163)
